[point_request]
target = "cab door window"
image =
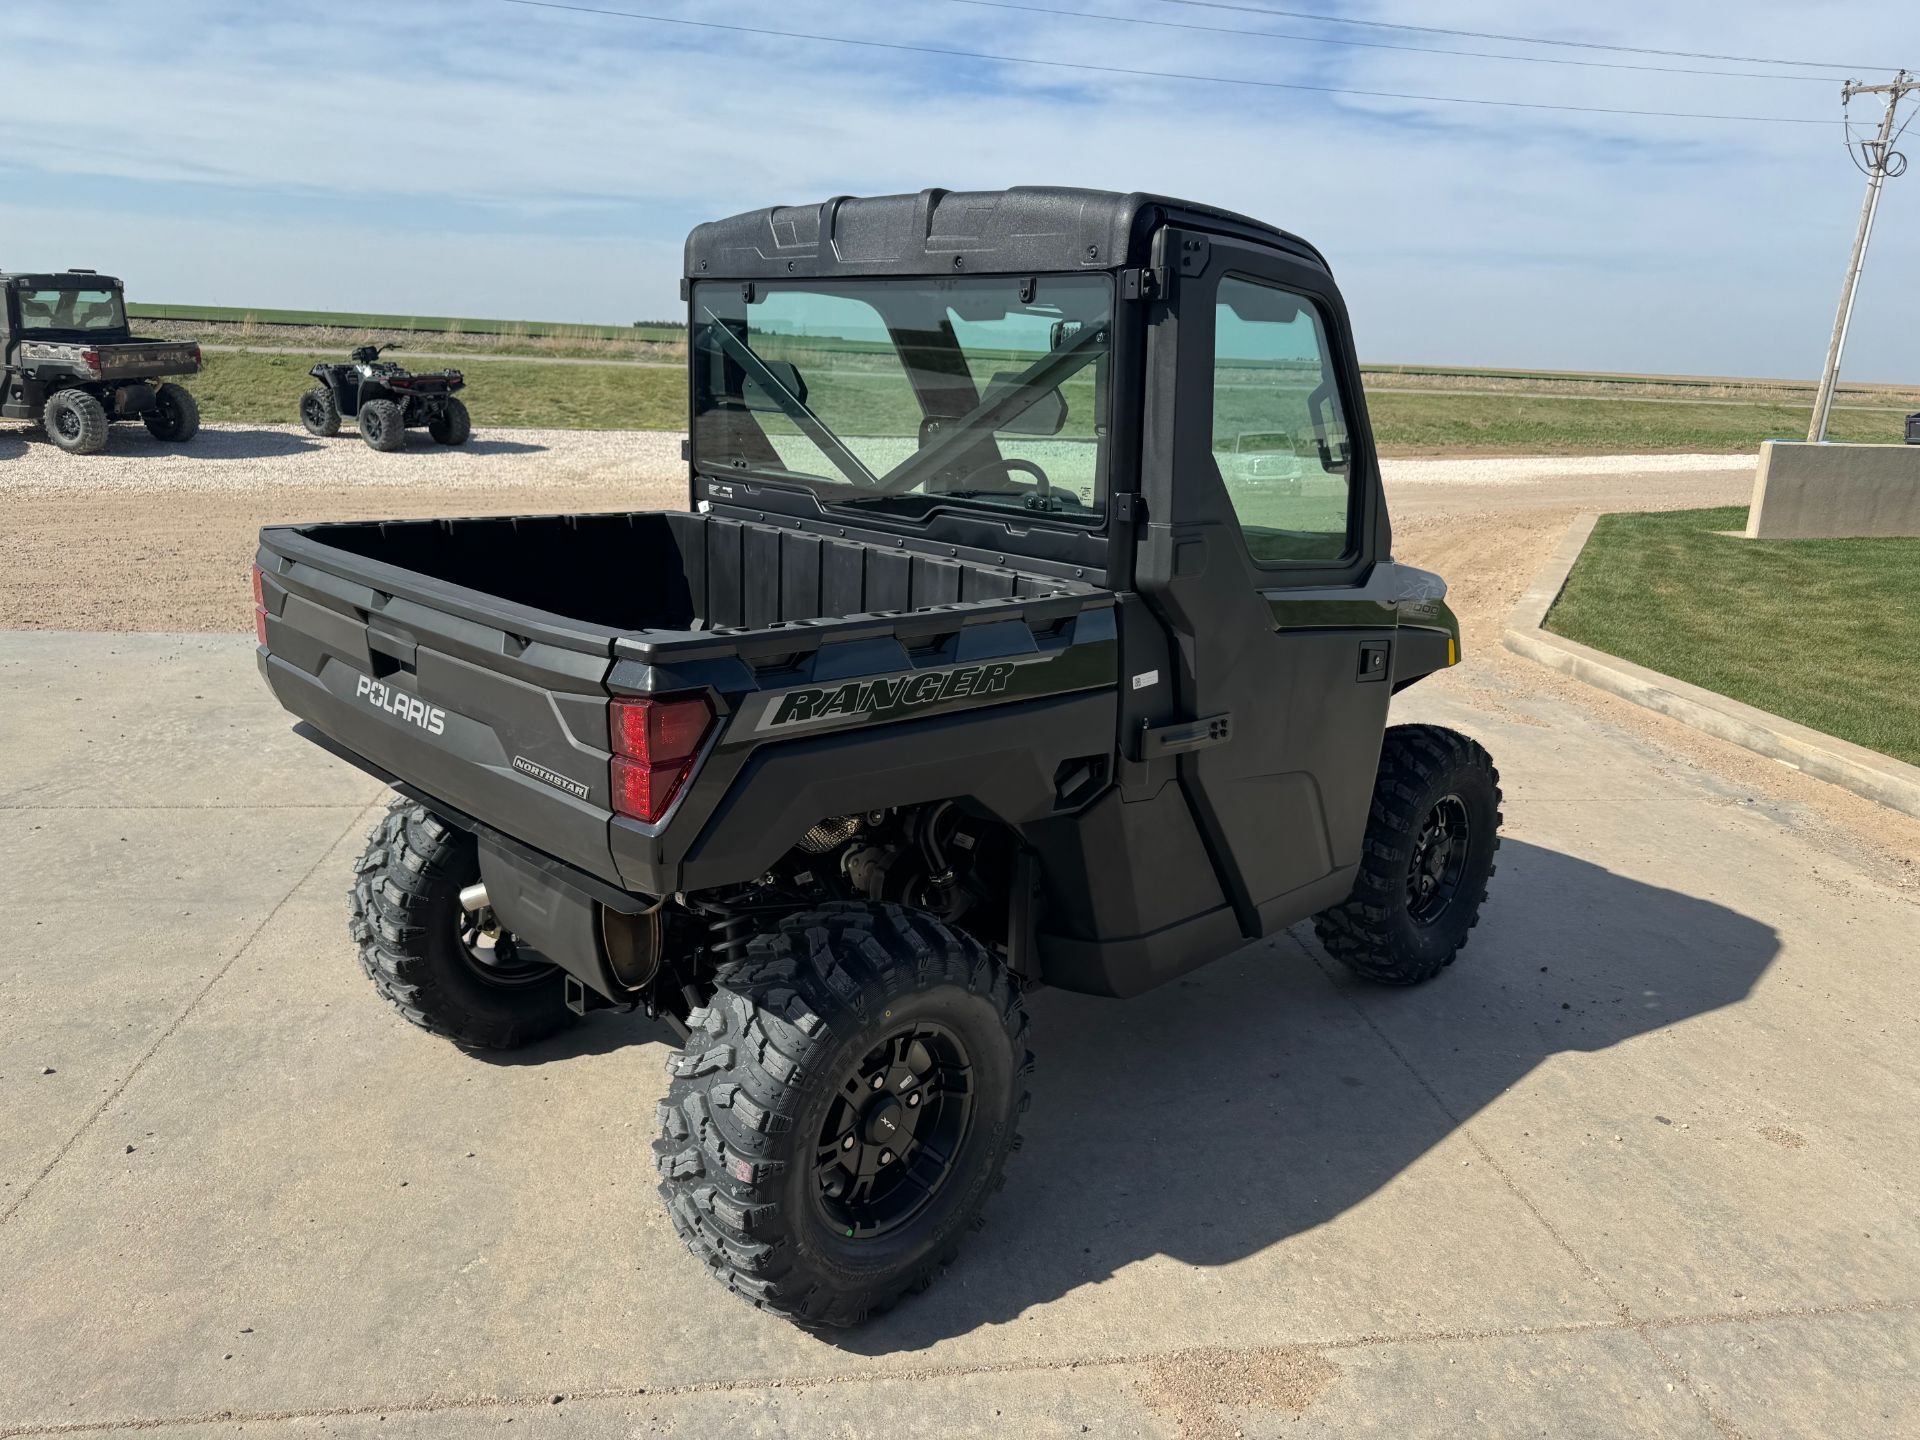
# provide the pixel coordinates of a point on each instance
(1279, 428)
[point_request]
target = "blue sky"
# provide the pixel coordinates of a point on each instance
(485, 159)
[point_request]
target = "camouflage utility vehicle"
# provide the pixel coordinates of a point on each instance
(1034, 621)
(69, 362)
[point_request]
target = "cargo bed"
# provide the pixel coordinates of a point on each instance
(647, 577)
(473, 660)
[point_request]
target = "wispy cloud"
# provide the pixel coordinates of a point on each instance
(487, 158)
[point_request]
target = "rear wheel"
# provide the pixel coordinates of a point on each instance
(175, 414)
(449, 970)
(452, 425)
(382, 425)
(320, 412)
(76, 422)
(1431, 835)
(842, 1110)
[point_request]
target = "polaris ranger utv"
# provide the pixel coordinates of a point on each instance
(69, 362)
(1034, 623)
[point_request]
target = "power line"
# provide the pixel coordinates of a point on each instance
(1390, 45)
(1510, 39)
(1131, 72)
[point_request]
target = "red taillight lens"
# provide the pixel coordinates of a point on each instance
(655, 740)
(259, 607)
(91, 359)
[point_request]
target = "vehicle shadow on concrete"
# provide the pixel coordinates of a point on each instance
(1259, 1097)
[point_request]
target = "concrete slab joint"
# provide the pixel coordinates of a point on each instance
(1830, 490)
(1879, 778)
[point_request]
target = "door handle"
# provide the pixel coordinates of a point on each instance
(1185, 736)
(1373, 660)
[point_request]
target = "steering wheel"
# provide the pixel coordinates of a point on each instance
(1042, 486)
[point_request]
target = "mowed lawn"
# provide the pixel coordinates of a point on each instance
(253, 387)
(1823, 632)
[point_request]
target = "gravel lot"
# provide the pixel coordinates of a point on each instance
(229, 458)
(135, 463)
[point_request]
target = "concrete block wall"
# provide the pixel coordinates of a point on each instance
(1809, 492)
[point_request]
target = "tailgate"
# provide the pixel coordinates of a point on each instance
(499, 716)
(139, 360)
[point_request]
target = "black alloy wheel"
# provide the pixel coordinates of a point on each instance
(1440, 852)
(76, 422)
(432, 958)
(494, 956)
(842, 1108)
(1432, 831)
(889, 1140)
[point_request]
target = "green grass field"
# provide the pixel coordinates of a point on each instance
(1822, 632)
(255, 389)
(1443, 422)
(425, 324)
(251, 387)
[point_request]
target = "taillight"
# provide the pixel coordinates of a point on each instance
(196, 353)
(259, 607)
(91, 359)
(655, 740)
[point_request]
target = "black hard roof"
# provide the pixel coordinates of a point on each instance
(58, 279)
(1030, 228)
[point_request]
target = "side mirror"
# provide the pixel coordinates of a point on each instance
(788, 374)
(1045, 415)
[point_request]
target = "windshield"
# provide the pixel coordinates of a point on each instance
(907, 394)
(71, 312)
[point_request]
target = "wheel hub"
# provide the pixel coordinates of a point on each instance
(1439, 860)
(887, 1122)
(492, 954)
(889, 1139)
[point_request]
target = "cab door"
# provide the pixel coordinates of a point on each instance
(1264, 521)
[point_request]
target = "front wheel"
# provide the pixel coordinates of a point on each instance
(842, 1110)
(451, 425)
(175, 414)
(448, 970)
(382, 425)
(1431, 834)
(320, 412)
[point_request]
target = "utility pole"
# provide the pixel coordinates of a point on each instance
(1882, 161)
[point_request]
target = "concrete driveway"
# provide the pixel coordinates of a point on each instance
(1643, 1163)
